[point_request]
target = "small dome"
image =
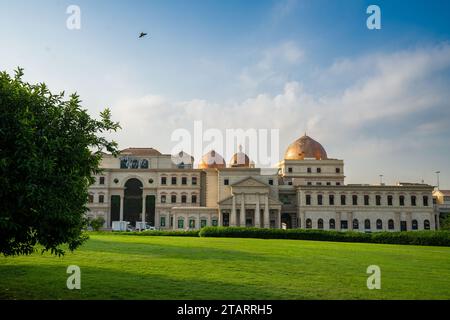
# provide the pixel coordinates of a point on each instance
(305, 147)
(212, 160)
(182, 158)
(240, 159)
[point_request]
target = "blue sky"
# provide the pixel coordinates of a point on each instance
(378, 99)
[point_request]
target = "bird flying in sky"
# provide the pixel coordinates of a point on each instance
(143, 34)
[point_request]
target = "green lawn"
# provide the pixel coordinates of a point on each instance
(137, 267)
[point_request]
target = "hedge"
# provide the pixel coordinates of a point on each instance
(425, 238)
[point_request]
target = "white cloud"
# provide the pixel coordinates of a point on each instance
(359, 120)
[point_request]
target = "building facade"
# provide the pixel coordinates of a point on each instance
(306, 190)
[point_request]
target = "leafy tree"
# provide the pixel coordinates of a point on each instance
(49, 149)
(445, 224)
(97, 223)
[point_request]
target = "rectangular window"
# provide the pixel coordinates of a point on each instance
(308, 199)
(308, 170)
(319, 170)
(171, 221)
(101, 198)
(91, 198)
(194, 181)
(174, 180)
(328, 183)
(183, 199)
(338, 170)
(180, 224)
(271, 182)
(164, 180)
(318, 183)
(378, 200)
(309, 183)
(402, 200)
(338, 183)
(390, 200)
(343, 199)
(162, 221)
(319, 199)
(331, 199)
(173, 198)
(355, 200)
(163, 199)
(191, 223)
(290, 170)
(102, 180)
(413, 201)
(226, 182)
(214, 223)
(366, 200)
(184, 180)
(344, 224)
(194, 198)
(203, 223)
(425, 201)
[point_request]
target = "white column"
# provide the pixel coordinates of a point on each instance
(338, 221)
(233, 212)
(242, 217)
(279, 218)
(175, 222)
(257, 213)
(409, 221)
(350, 222)
(266, 212)
(302, 220)
(143, 209)
(121, 207)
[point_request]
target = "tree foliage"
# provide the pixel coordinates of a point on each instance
(49, 149)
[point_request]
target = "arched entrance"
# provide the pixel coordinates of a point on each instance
(132, 205)
(286, 220)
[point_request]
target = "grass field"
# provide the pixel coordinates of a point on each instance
(136, 267)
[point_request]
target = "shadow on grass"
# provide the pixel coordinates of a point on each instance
(48, 282)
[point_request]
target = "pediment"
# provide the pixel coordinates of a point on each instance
(249, 182)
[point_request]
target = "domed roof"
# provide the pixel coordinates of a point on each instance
(240, 159)
(305, 147)
(212, 160)
(182, 158)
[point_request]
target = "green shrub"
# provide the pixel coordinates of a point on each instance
(97, 223)
(425, 238)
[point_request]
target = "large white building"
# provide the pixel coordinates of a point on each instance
(307, 190)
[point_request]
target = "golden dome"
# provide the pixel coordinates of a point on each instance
(240, 159)
(182, 158)
(212, 160)
(305, 147)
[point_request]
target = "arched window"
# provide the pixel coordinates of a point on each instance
(355, 224)
(332, 224)
(367, 224)
(391, 224)
(379, 224)
(426, 224)
(308, 224)
(320, 224)
(415, 225)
